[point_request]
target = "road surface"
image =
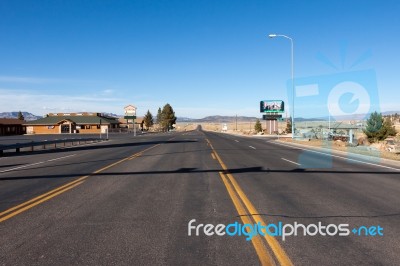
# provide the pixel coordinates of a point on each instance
(129, 201)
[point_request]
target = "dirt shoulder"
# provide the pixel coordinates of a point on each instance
(341, 146)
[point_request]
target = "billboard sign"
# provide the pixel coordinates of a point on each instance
(272, 106)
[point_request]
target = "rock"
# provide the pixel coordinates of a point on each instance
(363, 141)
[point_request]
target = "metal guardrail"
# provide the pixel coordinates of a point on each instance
(46, 144)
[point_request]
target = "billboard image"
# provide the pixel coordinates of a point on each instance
(272, 106)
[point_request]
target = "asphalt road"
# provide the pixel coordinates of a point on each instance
(128, 201)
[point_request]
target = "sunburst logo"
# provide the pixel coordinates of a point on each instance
(343, 95)
(346, 94)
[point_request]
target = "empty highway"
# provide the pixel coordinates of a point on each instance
(132, 201)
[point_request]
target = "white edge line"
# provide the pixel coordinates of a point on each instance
(61, 158)
(252, 147)
(344, 158)
(290, 161)
(236, 140)
(32, 164)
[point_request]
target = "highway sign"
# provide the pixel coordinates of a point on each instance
(129, 117)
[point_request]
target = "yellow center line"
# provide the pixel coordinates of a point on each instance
(273, 243)
(43, 195)
(279, 252)
(38, 202)
(262, 252)
(57, 191)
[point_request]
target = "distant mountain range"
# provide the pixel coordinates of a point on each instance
(30, 117)
(230, 119)
(27, 116)
(217, 119)
(355, 117)
(210, 119)
(112, 115)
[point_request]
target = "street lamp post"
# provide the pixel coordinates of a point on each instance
(292, 59)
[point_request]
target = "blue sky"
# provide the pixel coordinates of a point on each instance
(202, 57)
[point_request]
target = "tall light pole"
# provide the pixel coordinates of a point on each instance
(292, 59)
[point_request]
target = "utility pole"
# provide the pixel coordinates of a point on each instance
(292, 68)
(236, 123)
(266, 125)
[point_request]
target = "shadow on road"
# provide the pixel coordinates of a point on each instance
(195, 170)
(10, 165)
(98, 161)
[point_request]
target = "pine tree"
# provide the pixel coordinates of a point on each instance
(257, 126)
(148, 120)
(168, 117)
(20, 116)
(159, 116)
(374, 127)
(378, 128)
(289, 125)
(389, 129)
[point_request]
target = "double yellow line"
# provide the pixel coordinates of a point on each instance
(249, 215)
(7, 214)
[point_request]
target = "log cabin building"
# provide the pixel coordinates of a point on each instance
(139, 121)
(11, 126)
(68, 123)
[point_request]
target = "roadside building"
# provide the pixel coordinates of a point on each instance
(11, 126)
(124, 123)
(67, 123)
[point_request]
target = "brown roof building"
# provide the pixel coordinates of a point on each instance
(129, 123)
(11, 126)
(58, 123)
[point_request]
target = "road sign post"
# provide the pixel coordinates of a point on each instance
(130, 114)
(272, 111)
